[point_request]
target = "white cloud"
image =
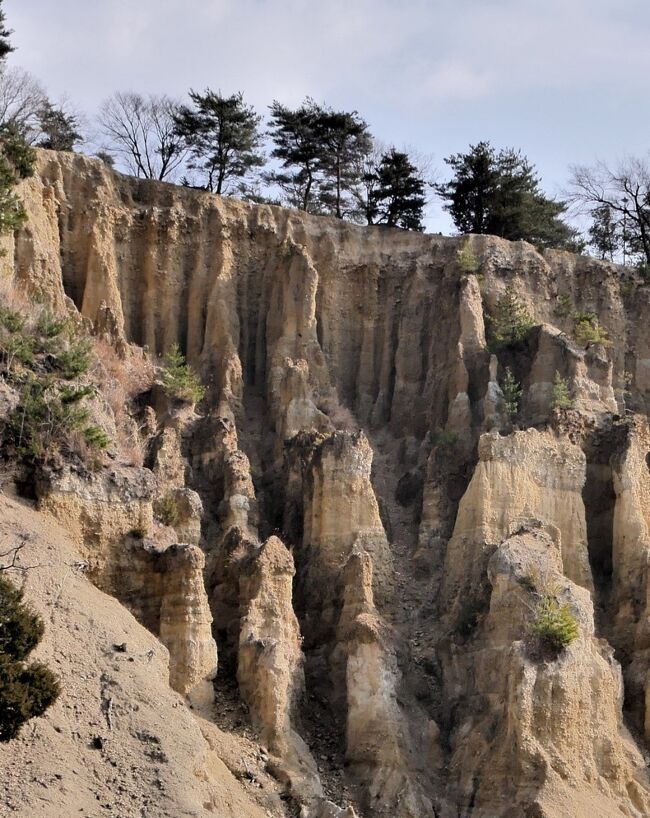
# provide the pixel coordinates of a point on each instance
(557, 77)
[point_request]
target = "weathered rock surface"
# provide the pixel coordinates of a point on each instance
(547, 727)
(525, 475)
(119, 740)
(377, 531)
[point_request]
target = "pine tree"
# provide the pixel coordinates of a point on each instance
(561, 399)
(223, 137)
(511, 321)
(297, 136)
(398, 198)
(178, 378)
(512, 393)
(344, 141)
(17, 160)
(58, 128)
(604, 232)
(5, 46)
(498, 193)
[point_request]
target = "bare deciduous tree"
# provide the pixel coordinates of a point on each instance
(141, 130)
(22, 99)
(625, 190)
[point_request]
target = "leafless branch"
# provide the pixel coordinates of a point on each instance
(21, 100)
(141, 130)
(14, 554)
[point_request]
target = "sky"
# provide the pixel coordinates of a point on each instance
(567, 81)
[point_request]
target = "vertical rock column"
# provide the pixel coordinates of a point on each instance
(343, 544)
(631, 566)
(185, 618)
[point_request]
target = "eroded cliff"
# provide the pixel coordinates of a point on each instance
(361, 531)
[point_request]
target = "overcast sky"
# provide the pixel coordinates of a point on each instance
(565, 80)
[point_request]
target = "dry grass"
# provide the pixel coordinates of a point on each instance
(120, 381)
(76, 444)
(341, 417)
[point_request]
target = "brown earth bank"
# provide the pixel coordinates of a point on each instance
(340, 616)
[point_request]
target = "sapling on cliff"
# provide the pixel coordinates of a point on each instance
(512, 393)
(178, 378)
(511, 321)
(561, 398)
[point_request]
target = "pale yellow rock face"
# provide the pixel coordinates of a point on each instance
(526, 475)
(185, 618)
(341, 508)
(357, 521)
(270, 661)
(99, 513)
(544, 723)
(154, 749)
(630, 629)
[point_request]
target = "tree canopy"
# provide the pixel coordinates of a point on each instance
(59, 130)
(605, 232)
(142, 131)
(321, 152)
(344, 140)
(5, 45)
(498, 192)
(397, 193)
(223, 138)
(296, 136)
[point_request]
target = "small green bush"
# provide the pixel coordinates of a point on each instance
(561, 399)
(20, 156)
(75, 359)
(554, 624)
(11, 320)
(96, 437)
(583, 315)
(17, 161)
(167, 510)
(17, 348)
(587, 330)
(472, 610)
(441, 437)
(510, 323)
(512, 393)
(26, 690)
(42, 420)
(563, 308)
(49, 326)
(45, 359)
(74, 394)
(467, 259)
(20, 629)
(178, 378)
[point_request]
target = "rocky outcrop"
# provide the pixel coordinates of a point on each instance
(110, 518)
(269, 659)
(544, 718)
(340, 512)
(100, 511)
(119, 740)
(526, 475)
(380, 746)
(377, 529)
